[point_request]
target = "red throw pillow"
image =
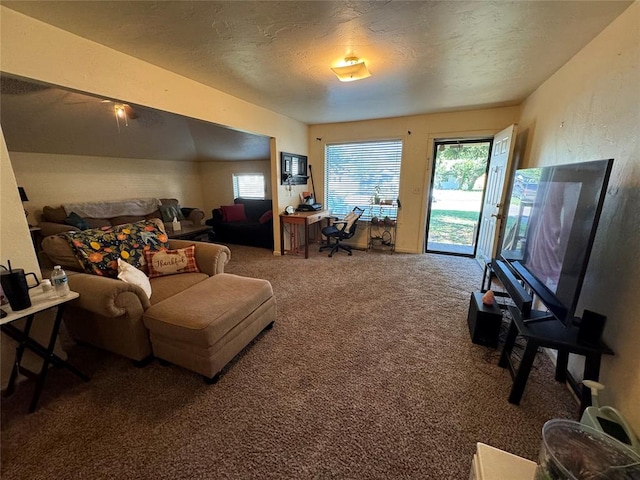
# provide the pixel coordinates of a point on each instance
(266, 216)
(233, 213)
(169, 262)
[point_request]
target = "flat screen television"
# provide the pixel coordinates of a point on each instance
(551, 224)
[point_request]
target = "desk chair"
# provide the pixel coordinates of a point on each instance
(342, 230)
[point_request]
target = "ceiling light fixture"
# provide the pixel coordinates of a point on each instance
(121, 114)
(353, 69)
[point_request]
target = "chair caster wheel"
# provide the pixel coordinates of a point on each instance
(330, 255)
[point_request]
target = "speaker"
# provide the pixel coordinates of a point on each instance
(591, 328)
(484, 321)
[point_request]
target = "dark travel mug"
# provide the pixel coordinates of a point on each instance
(14, 284)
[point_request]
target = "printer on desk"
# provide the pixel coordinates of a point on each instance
(308, 203)
(309, 207)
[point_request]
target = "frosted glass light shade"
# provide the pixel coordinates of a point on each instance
(355, 69)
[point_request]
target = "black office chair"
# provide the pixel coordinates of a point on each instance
(342, 230)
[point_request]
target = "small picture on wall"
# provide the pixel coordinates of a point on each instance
(294, 169)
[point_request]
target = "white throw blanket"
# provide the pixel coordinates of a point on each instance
(117, 208)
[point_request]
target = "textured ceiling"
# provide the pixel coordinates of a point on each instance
(43, 119)
(425, 56)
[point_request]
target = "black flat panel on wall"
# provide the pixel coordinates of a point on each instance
(293, 168)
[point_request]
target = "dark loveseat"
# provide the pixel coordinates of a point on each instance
(246, 222)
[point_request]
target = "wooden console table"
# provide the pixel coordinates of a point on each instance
(294, 220)
(550, 334)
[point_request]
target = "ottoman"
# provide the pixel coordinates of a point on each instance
(203, 327)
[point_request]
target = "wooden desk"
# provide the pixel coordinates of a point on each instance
(39, 302)
(548, 334)
(296, 219)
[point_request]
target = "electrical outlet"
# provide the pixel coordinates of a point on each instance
(416, 190)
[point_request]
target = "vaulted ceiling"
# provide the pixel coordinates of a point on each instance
(424, 56)
(40, 118)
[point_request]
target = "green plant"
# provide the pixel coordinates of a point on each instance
(376, 195)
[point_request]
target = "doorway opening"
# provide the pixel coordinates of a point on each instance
(457, 190)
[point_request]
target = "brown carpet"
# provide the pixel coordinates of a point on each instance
(369, 373)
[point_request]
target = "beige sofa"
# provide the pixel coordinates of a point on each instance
(109, 312)
(101, 214)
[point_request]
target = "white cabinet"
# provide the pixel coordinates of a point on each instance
(490, 463)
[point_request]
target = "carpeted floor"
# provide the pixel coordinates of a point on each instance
(369, 373)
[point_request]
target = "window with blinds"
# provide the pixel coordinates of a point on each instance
(355, 172)
(248, 185)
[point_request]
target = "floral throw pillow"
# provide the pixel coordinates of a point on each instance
(99, 249)
(170, 262)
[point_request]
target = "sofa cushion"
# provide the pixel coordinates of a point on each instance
(58, 250)
(170, 262)
(229, 299)
(155, 214)
(168, 285)
(77, 221)
(254, 207)
(168, 212)
(130, 274)
(266, 216)
(233, 213)
(98, 222)
(54, 214)
(122, 219)
(99, 249)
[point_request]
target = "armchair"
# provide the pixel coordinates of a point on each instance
(342, 230)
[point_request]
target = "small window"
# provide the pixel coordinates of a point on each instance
(248, 185)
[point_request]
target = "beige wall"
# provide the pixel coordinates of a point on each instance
(417, 160)
(32, 49)
(16, 245)
(15, 239)
(56, 179)
(217, 180)
(589, 110)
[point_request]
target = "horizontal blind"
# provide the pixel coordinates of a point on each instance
(248, 186)
(354, 170)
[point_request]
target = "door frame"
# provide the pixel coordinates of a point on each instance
(434, 153)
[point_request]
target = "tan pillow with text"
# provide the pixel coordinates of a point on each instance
(169, 262)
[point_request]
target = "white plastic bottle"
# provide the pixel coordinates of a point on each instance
(60, 281)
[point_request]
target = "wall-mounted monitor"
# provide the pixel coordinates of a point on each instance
(293, 168)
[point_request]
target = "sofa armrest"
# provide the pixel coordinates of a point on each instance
(194, 214)
(210, 257)
(52, 228)
(106, 296)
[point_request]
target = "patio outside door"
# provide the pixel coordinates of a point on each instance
(457, 192)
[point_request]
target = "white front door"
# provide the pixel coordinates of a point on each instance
(500, 163)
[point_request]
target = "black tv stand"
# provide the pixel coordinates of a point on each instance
(536, 316)
(553, 335)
